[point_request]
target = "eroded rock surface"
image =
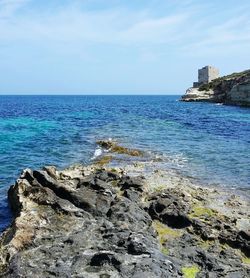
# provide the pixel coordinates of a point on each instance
(102, 222)
(77, 223)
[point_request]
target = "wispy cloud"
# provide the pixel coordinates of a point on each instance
(147, 38)
(183, 27)
(117, 25)
(9, 7)
(222, 37)
(155, 31)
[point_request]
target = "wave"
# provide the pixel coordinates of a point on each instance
(98, 152)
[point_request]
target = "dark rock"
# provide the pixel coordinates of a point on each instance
(102, 258)
(70, 225)
(170, 210)
(136, 183)
(136, 245)
(113, 147)
(132, 195)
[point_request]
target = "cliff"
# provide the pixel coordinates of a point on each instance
(233, 89)
(129, 220)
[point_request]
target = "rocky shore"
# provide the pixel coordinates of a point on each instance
(123, 216)
(233, 89)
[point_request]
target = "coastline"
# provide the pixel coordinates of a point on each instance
(232, 89)
(167, 221)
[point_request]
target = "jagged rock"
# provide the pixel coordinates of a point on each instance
(79, 227)
(170, 210)
(90, 222)
(132, 182)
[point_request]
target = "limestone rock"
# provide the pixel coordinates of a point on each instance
(233, 89)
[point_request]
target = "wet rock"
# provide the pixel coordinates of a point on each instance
(113, 147)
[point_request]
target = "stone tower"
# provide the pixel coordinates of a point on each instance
(206, 75)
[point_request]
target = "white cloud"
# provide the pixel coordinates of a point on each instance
(184, 28)
(115, 26)
(222, 38)
(9, 7)
(159, 30)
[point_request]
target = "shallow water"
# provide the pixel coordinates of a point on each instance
(206, 141)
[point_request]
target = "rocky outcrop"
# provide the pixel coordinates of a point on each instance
(239, 94)
(194, 94)
(232, 89)
(80, 223)
(113, 147)
(100, 221)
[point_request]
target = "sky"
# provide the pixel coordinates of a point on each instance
(118, 46)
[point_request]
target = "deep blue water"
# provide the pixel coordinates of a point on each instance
(207, 141)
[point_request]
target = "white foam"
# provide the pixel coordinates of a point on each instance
(98, 152)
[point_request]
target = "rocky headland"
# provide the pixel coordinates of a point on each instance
(123, 216)
(233, 89)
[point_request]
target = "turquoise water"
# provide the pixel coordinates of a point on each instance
(206, 141)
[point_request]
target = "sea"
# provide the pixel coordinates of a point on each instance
(205, 141)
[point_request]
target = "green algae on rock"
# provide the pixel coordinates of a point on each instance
(164, 232)
(190, 271)
(246, 260)
(115, 148)
(202, 212)
(106, 159)
(165, 251)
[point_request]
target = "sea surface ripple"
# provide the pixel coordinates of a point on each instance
(208, 142)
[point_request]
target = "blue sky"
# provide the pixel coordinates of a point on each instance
(118, 46)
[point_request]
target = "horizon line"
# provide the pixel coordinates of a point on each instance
(95, 94)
